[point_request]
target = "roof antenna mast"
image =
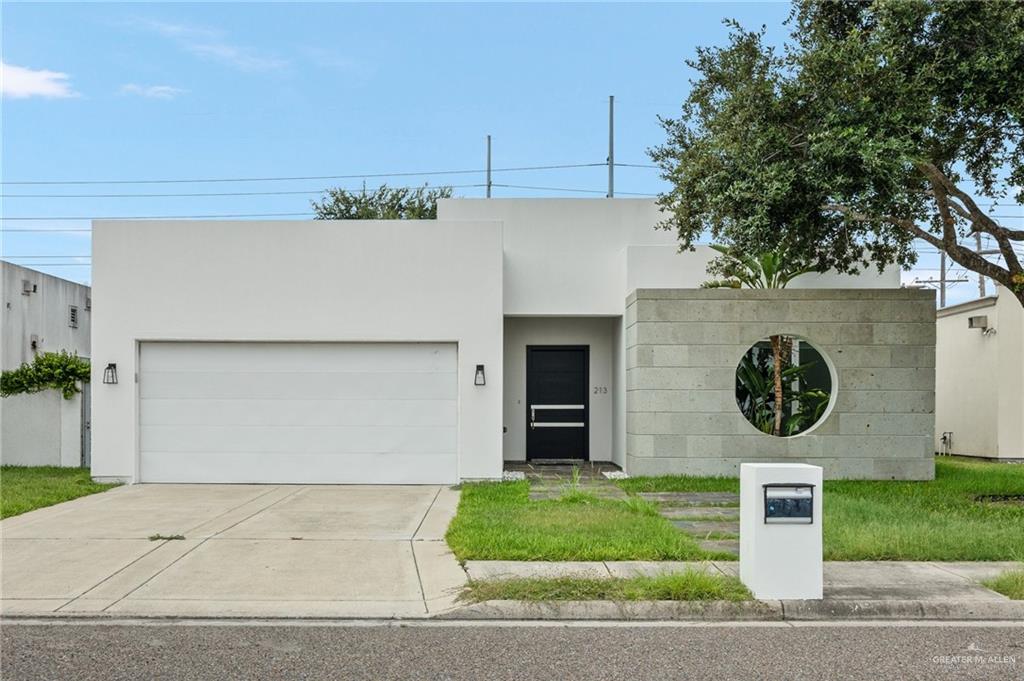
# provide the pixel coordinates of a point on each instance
(488, 166)
(611, 146)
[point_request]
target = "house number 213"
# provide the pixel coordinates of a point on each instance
(601, 390)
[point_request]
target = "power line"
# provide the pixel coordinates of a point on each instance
(206, 194)
(44, 229)
(351, 176)
(7, 258)
(567, 189)
(159, 217)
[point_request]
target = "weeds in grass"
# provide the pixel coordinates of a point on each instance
(641, 506)
(1010, 584)
(939, 519)
(498, 521)
(690, 585)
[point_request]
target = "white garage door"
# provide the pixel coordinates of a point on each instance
(298, 412)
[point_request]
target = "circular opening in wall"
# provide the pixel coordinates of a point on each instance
(788, 401)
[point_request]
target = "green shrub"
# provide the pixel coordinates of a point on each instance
(61, 371)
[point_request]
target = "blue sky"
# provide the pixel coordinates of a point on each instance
(242, 90)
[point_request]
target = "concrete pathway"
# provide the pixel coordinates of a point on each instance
(248, 551)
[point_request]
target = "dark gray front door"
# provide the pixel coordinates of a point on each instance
(557, 402)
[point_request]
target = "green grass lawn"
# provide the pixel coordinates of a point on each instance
(864, 520)
(24, 488)
(1010, 584)
(889, 520)
(683, 586)
(497, 521)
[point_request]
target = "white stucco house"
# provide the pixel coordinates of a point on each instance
(43, 313)
(979, 376)
(507, 329)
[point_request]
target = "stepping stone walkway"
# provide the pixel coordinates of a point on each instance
(554, 489)
(712, 518)
(552, 481)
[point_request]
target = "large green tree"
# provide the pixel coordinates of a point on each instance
(879, 123)
(383, 203)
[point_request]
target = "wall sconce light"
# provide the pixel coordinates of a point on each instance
(479, 379)
(110, 374)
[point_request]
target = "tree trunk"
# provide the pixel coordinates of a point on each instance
(777, 370)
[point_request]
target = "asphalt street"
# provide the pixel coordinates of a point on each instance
(379, 651)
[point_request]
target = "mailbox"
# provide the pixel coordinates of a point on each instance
(788, 503)
(780, 538)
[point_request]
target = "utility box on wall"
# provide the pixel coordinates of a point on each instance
(780, 530)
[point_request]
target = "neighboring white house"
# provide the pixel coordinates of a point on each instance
(42, 313)
(414, 351)
(979, 378)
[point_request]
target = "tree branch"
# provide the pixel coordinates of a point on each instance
(948, 243)
(981, 220)
(904, 223)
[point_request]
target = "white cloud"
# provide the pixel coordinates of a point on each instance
(331, 59)
(238, 57)
(152, 91)
(212, 44)
(19, 82)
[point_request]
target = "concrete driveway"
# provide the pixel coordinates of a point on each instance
(248, 550)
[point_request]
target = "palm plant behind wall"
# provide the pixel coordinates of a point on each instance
(772, 269)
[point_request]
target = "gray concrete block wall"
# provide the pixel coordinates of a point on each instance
(682, 348)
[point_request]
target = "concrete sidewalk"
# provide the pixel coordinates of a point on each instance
(853, 590)
(247, 551)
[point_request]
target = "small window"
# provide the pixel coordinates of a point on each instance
(72, 316)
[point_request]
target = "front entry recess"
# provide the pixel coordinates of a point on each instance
(557, 404)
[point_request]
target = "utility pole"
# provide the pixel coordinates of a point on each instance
(488, 166)
(942, 279)
(981, 277)
(611, 146)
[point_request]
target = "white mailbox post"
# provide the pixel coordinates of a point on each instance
(780, 530)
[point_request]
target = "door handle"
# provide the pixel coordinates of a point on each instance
(535, 407)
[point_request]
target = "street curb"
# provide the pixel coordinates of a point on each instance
(761, 611)
(618, 610)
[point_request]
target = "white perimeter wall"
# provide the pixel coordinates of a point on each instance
(41, 429)
(296, 281)
(979, 379)
(600, 333)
